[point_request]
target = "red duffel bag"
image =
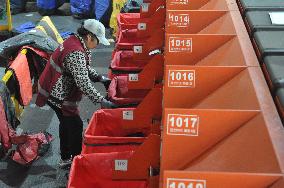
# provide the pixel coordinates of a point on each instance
(95, 170)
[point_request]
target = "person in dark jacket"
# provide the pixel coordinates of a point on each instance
(66, 77)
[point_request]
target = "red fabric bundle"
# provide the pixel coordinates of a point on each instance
(28, 147)
(5, 131)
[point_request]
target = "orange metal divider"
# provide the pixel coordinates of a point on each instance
(148, 113)
(209, 87)
(246, 45)
(271, 117)
(149, 76)
(221, 180)
(138, 167)
(197, 4)
(195, 49)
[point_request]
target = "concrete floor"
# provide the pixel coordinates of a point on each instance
(44, 172)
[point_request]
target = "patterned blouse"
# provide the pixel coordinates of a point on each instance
(80, 74)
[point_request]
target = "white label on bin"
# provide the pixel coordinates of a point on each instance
(138, 49)
(182, 125)
(178, 20)
(127, 115)
(145, 7)
(277, 18)
(142, 26)
(179, 2)
(133, 78)
(180, 44)
(181, 78)
(33, 31)
(121, 165)
(185, 183)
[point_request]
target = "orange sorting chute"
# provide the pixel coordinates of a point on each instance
(241, 143)
(194, 49)
(21, 69)
(201, 5)
(209, 87)
(199, 21)
(220, 127)
(222, 179)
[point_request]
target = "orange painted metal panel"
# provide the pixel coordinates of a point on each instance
(247, 48)
(270, 115)
(151, 75)
(209, 87)
(184, 139)
(174, 179)
(139, 163)
(148, 112)
(197, 4)
(199, 21)
(205, 49)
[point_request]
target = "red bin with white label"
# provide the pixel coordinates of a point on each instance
(105, 132)
(129, 39)
(118, 169)
(96, 170)
(122, 95)
(124, 62)
(151, 13)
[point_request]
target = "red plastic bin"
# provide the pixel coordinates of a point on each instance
(105, 133)
(131, 23)
(119, 93)
(148, 10)
(108, 122)
(95, 170)
(124, 62)
(104, 144)
(128, 41)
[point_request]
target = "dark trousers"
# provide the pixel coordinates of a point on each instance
(70, 133)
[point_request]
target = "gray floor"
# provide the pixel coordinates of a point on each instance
(44, 172)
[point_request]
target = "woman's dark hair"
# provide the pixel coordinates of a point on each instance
(82, 32)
